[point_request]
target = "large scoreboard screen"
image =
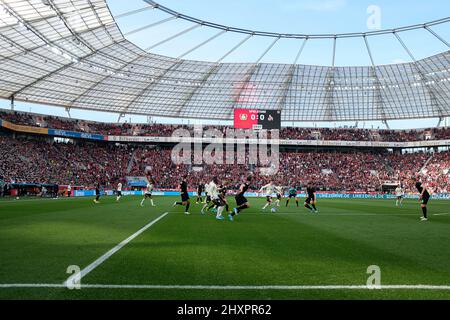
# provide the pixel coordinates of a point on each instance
(257, 119)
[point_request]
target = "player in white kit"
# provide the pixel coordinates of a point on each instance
(399, 192)
(148, 193)
(216, 199)
(269, 190)
(119, 191)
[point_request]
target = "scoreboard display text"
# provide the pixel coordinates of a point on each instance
(257, 119)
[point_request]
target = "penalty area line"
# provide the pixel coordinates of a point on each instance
(78, 276)
(234, 287)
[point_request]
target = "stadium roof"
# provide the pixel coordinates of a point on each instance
(71, 53)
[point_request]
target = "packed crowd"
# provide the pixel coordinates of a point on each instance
(85, 164)
(27, 161)
(164, 130)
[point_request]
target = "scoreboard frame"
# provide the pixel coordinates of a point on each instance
(257, 119)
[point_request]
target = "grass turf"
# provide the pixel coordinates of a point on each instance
(39, 239)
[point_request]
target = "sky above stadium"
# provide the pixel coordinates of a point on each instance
(283, 16)
(291, 16)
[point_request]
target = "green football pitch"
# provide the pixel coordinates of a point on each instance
(130, 252)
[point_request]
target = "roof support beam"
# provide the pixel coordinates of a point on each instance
(244, 83)
(195, 26)
(40, 19)
(437, 36)
(212, 71)
(330, 85)
(36, 33)
(149, 26)
(133, 12)
(202, 44)
(118, 70)
(290, 35)
(300, 51)
(25, 50)
(288, 82)
(64, 67)
(431, 91)
(152, 84)
(333, 62)
(267, 50)
(286, 87)
(378, 101)
(234, 48)
(66, 24)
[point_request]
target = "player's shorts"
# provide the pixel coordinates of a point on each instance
(278, 196)
(199, 193)
(119, 193)
(425, 199)
(147, 195)
(97, 192)
(292, 196)
(399, 197)
(309, 200)
(184, 197)
(269, 198)
(208, 199)
(219, 202)
(240, 199)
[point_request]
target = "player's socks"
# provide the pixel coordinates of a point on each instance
(277, 203)
(227, 207)
(219, 212)
(287, 202)
(314, 207)
(142, 202)
(151, 201)
(187, 207)
(267, 204)
(296, 201)
(308, 207)
(204, 207)
(424, 211)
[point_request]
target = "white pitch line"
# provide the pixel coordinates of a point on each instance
(344, 214)
(236, 287)
(441, 214)
(78, 276)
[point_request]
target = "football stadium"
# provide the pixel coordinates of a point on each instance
(185, 150)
